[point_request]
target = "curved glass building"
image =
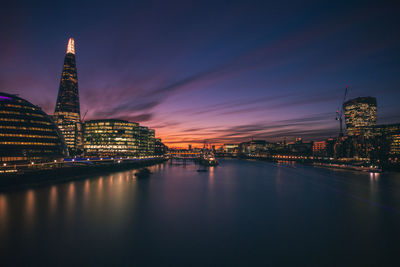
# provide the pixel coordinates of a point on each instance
(27, 133)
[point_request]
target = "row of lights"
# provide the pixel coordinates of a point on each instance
(73, 160)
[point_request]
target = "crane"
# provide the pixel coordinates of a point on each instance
(339, 112)
(84, 116)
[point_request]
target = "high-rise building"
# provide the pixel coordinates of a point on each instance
(358, 113)
(67, 112)
(27, 134)
(110, 138)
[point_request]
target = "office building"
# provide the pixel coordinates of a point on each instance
(110, 138)
(358, 113)
(151, 142)
(143, 141)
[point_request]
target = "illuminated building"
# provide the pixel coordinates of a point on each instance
(151, 142)
(146, 141)
(142, 140)
(394, 150)
(254, 148)
(324, 148)
(27, 134)
(230, 148)
(67, 112)
(359, 112)
(386, 129)
(319, 147)
(110, 138)
(388, 138)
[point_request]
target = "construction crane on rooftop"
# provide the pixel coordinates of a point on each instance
(84, 116)
(339, 112)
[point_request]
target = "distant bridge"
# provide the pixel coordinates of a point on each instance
(183, 154)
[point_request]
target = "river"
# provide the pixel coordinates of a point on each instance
(240, 213)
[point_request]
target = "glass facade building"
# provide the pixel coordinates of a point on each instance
(358, 113)
(27, 134)
(151, 142)
(143, 141)
(110, 138)
(67, 111)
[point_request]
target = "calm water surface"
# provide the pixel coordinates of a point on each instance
(243, 213)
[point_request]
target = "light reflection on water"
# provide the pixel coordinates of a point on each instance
(258, 208)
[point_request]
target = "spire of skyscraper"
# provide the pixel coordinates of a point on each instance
(71, 46)
(68, 95)
(67, 111)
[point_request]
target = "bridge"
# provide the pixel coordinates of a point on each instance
(183, 154)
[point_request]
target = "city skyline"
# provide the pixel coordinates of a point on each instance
(240, 80)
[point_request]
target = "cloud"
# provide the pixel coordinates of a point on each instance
(145, 117)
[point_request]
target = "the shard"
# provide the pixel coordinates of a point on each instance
(67, 111)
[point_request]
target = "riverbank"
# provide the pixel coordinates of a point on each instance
(69, 173)
(327, 164)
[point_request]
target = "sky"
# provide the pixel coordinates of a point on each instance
(221, 71)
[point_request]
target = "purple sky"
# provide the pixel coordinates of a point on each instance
(225, 71)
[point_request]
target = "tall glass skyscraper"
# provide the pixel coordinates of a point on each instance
(67, 111)
(360, 113)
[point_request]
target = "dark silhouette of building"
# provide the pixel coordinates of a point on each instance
(160, 148)
(67, 111)
(27, 134)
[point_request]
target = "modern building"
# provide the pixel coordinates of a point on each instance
(230, 148)
(394, 149)
(324, 148)
(386, 129)
(151, 142)
(146, 141)
(160, 148)
(110, 138)
(27, 134)
(360, 112)
(67, 112)
(319, 147)
(254, 148)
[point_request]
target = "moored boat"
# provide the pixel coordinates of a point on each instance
(208, 159)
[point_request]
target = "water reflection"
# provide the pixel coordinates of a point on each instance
(53, 199)
(71, 199)
(86, 193)
(29, 208)
(239, 205)
(3, 212)
(100, 186)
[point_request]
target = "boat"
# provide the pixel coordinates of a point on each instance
(201, 170)
(143, 173)
(208, 159)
